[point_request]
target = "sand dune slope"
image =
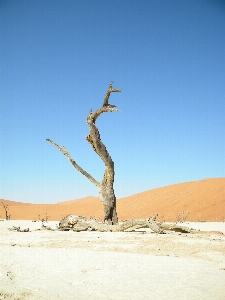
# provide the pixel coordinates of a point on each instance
(202, 200)
(88, 206)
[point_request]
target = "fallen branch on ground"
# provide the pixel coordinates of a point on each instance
(19, 230)
(79, 223)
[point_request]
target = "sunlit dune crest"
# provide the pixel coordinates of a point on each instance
(202, 200)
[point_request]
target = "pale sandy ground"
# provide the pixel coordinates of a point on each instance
(90, 265)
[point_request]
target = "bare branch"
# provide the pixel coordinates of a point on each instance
(106, 107)
(107, 95)
(92, 117)
(72, 161)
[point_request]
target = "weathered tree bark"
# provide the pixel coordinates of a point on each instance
(105, 187)
(79, 223)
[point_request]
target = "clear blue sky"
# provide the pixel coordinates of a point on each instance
(57, 59)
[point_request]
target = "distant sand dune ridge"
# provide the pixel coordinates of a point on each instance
(202, 200)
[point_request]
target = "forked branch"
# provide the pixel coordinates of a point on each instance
(107, 95)
(106, 107)
(94, 137)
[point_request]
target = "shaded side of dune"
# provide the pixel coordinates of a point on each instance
(202, 200)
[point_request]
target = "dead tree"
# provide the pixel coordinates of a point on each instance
(7, 216)
(105, 187)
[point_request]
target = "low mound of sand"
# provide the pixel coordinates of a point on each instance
(202, 200)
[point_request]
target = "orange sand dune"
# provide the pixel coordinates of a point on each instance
(88, 206)
(204, 200)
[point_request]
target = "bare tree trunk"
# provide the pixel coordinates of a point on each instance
(106, 191)
(105, 187)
